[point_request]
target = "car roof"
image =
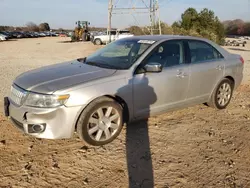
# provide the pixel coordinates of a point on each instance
(158, 38)
(165, 37)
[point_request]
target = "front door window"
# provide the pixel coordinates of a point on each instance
(170, 53)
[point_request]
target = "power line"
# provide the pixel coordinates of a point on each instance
(152, 8)
(165, 2)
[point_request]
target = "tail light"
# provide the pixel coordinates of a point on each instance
(242, 60)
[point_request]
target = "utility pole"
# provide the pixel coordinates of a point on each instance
(153, 13)
(110, 19)
(159, 20)
(151, 16)
(153, 8)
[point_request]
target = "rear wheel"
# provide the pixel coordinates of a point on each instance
(98, 41)
(222, 95)
(101, 122)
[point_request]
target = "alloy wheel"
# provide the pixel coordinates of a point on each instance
(103, 123)
(224, 94)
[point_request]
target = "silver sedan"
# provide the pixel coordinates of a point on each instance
(129, 79)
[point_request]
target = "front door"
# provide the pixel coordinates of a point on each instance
(159, 91)
(206, 67)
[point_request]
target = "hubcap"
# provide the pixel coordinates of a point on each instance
(98, 42)
(224, 94)
(103, 123)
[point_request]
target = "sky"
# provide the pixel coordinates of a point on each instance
(64, 13)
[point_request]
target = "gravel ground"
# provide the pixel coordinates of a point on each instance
(193, 147)
(18, 56)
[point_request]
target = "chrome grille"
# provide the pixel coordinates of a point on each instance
(17, 95)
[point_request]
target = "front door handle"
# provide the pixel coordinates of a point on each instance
(219, 67)
(181, 75)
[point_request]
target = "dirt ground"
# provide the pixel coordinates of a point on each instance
(194, 147)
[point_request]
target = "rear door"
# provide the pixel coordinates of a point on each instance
(207, 67)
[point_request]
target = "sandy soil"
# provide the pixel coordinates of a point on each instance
(194, 147)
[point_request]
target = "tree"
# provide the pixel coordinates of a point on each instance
(166, 29)
(200, 24)
(176, 25)
(136, 30)
(247, 28)
(61, 29)
(206, 19)
(32, 27)
(204, 24)
(235, 27)
(240, 30)
(189, 19)
(44, 27)
(18, 29)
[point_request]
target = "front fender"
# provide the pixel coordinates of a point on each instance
(86, 94)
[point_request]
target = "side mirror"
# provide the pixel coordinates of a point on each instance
(153, 67)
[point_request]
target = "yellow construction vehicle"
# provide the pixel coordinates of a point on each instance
(81, 31)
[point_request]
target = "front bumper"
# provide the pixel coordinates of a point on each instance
(59, 122)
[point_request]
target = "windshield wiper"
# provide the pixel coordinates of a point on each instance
(92, 63)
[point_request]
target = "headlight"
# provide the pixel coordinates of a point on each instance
(45, 101)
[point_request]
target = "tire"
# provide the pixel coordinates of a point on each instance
(84, 37)
(96, 132)
(220, 100)
(98, 42)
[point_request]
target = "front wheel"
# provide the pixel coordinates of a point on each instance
(101, 122)
(222, 95)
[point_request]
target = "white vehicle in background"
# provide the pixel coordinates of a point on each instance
(103, 38)
(42, 34)
(3, 37)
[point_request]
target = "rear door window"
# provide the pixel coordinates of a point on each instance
(201, 52)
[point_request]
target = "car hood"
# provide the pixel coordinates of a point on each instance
(60, 76)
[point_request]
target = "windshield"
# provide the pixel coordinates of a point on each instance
(120, 54)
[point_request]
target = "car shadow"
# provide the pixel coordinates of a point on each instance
(10, 40)
(239, 49)
(66, 41)
(73, 41)
(138, 153)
